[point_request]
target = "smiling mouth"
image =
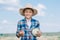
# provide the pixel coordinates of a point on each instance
(27, 15)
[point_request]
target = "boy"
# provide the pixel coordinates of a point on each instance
(25, 26)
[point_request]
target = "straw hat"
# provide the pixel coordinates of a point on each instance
(27, 6)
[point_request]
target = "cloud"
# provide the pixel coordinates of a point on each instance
(41, 6)
(1, 1)
(11, 9)
(9, 2)
(4, 22)
(50, 27)
(41, 9)
(50, 24)
(11, 5)
(7, 26)
(7, 22)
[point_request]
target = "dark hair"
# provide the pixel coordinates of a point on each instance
(29, 9)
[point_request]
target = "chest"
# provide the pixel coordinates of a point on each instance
(27, 26)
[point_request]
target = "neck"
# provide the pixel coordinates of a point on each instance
(28, 18)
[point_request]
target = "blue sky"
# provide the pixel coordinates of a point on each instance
(48, 14)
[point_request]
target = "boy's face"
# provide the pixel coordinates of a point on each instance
(28, 13)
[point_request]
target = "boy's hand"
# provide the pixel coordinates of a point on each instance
(21, 33)
(38, 34)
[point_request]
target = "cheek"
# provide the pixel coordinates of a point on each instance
(30, 14)
(26, 14)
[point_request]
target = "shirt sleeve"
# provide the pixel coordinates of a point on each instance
(19, 27)
(37, 25)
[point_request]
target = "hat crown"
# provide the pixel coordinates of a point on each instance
(28, 5)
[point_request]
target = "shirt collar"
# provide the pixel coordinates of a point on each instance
(27, 19)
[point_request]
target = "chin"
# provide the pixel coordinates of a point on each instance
(28, 17)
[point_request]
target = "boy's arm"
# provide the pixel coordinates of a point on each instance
(18, 29)
(38, 26)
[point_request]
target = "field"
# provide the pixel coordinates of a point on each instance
(45, 36)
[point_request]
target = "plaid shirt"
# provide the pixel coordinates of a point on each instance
(27, 32)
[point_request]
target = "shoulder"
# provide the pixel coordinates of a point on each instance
(21, 21)
(35, 20)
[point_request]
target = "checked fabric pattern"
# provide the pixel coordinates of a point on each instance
(27, 31)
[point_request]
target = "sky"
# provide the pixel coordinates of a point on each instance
(48, 14)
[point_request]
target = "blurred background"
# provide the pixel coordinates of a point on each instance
(48, 16)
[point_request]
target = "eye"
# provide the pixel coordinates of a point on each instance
(26, 11)
(30, 11)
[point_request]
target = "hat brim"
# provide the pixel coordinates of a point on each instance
(21, 11)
